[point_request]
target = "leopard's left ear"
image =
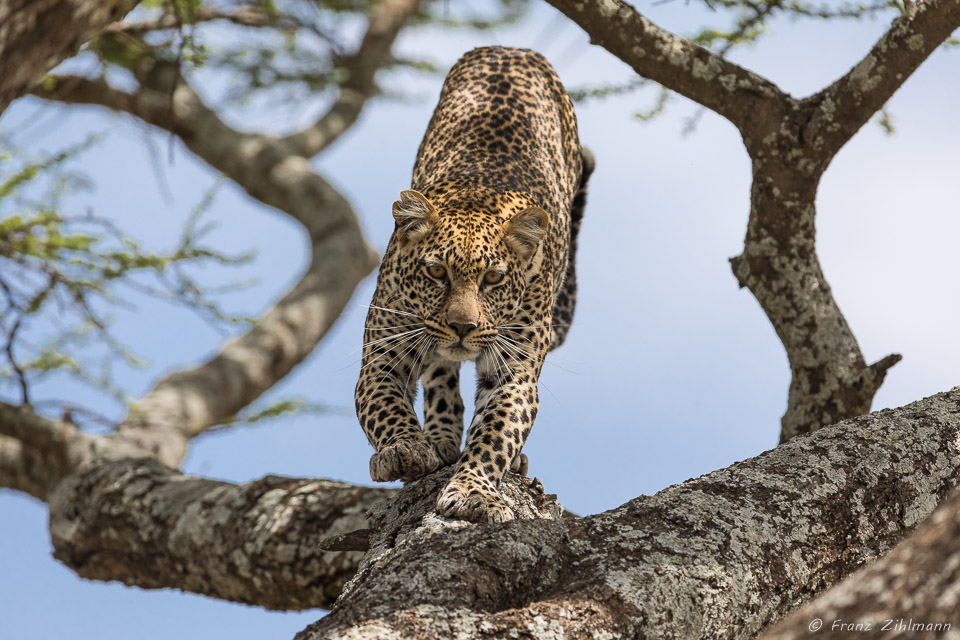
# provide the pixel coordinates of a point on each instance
(526, 229)
(414, 214)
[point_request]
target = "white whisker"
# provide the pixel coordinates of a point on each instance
(392, 337)
(386, 349)
(397, 311)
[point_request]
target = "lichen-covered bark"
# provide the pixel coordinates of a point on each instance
(117, 513)
(849, 103)
(144, 524)
(720, 556)
(791, 143)
(912, 591)
(830, 379)
(737, 94)
(65, 25)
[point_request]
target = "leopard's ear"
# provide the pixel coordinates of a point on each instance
(526, 229)
(414, 214)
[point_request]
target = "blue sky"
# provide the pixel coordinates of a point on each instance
(669, 371)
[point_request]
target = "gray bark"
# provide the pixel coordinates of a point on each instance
(912, 591)
(720, 556)
(144, 524)
(65, 26)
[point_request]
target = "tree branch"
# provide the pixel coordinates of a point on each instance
(144, 524)
(37, 453)
(243, 16)
(386, 20)
(185, 403)
(22, 423)
(915, 584)
(847, 104)
(737, 94)
(276, 172)
(36, 35)
(25, 469)
(830, 380)
(720, 556)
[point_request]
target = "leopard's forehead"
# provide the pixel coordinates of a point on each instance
(469, 232)
(468, 242)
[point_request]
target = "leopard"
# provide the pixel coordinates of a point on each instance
(480, 267)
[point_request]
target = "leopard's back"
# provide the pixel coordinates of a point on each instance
(505, 123)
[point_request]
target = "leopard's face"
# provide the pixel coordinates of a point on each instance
(463, 273)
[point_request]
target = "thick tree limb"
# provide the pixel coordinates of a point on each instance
(739, 95)
(721, 556)
(914, 590)
(22, 423)
(144, 524)
(117, 515)
(65, 25)
(830, 379)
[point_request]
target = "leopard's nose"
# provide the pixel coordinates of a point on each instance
(462, 328)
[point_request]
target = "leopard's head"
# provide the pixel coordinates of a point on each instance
(463, 265)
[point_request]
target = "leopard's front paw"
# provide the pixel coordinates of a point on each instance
(405, 460)
(474, 499)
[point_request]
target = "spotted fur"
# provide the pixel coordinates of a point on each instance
(480, 267)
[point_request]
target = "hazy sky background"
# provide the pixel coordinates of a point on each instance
(669, 372)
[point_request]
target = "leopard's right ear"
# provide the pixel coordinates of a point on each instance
(415, 215)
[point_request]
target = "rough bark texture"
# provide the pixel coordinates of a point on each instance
(65, 25)
(144, 524)
(913, 591)
(720, 556)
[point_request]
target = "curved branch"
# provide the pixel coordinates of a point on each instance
(22, 423)
(722, 555)
(37, 35)
(737, 94)
(847, 104)
(144, 524)
(25, 469)
(251, 16)
(185, 403)
(386, 20)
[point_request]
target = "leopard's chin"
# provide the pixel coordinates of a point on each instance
(458, 353)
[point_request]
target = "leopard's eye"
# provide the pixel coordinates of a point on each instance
(492, 277)
(436, 271)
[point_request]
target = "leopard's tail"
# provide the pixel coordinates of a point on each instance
(566, 302)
